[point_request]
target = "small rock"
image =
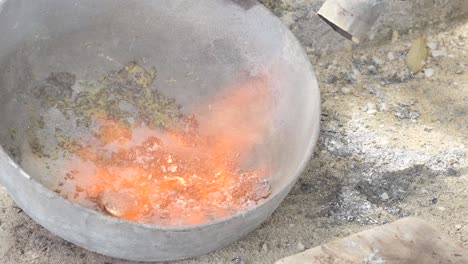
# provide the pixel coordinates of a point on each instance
(265, 247)
(391, 56)
(345, 90)
(237, 260)
(372, 89)
(404, 111)
(428, 129)
(300, 247)
(377, 61)
(337, 146)
(429, 72)
(458, 227)
(310, 50)
(382, 107)
(356, 75)
(439, 53)
(364, 108)
(384, 196)
(395, 36)
(417, 55)
(370, 108)
(371, 69)
(441, 208)
(432, 45)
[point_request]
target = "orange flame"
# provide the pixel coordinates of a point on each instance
(188, 174)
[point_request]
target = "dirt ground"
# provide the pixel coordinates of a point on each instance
(392, 144)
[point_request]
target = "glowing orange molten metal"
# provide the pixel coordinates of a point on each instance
(187, 174)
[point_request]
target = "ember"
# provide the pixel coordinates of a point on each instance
(187, 173)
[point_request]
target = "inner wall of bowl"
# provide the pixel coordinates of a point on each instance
(194, 58)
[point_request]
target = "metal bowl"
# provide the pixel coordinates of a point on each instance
(212, 40)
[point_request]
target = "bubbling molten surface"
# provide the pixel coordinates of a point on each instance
(189, 173)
